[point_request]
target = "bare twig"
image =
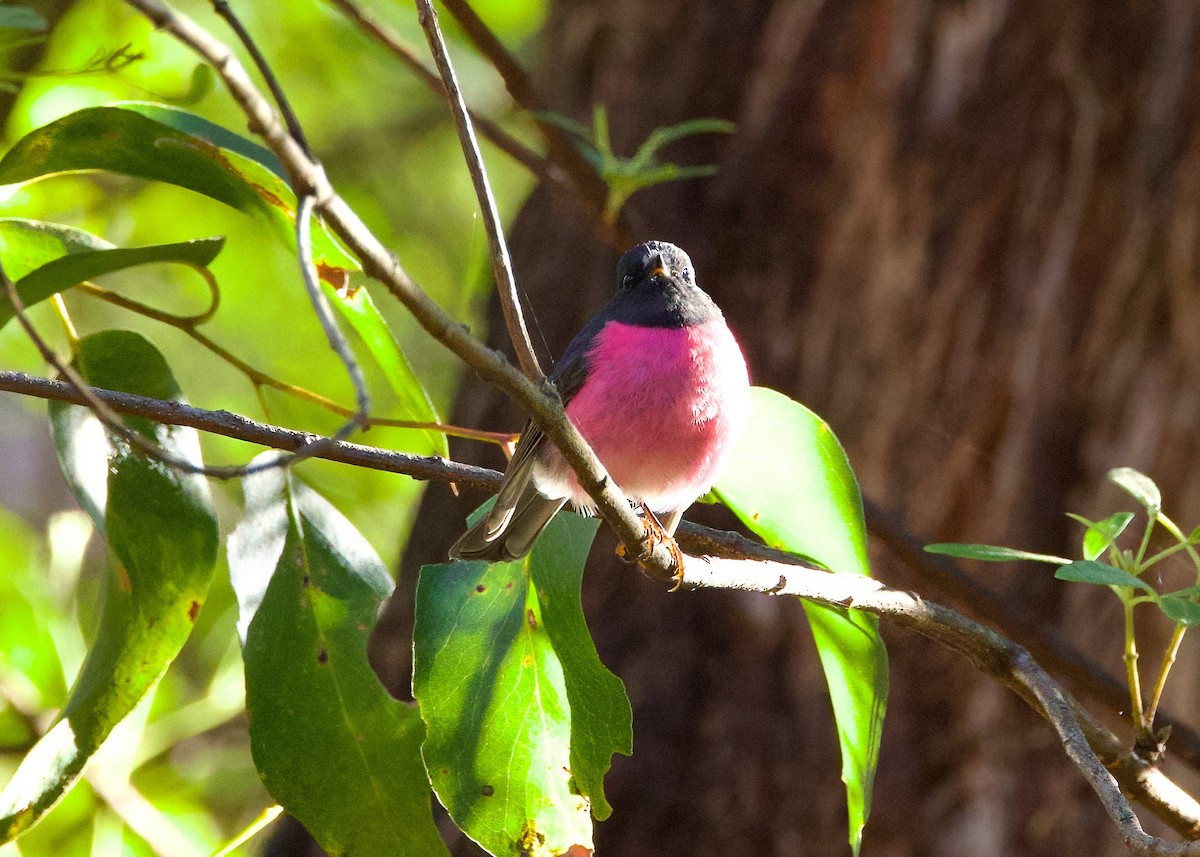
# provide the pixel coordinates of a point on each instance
(506, 283)
(773, 572)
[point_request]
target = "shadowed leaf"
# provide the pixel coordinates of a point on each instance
(331, 745)
(522, 717)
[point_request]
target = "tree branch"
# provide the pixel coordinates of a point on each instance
(749, 566)
(998, 656)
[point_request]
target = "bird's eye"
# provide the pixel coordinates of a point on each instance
(628, 281)
(686, 274)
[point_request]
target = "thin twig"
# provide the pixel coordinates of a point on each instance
(505, 142)
(222, 8)
(189, 326)
(103, 413)
(506, 282)
(563, 150)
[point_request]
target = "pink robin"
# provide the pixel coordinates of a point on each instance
(655, 382)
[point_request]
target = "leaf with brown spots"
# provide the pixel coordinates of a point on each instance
(522, 717)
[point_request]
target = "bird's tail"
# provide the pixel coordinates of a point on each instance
(508, 532)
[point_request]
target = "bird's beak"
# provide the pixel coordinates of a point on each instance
(658, 268)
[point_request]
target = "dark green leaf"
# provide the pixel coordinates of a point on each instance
(414, 402)
(1138, 486)
(130, 139)
(45, 258)
(790, 482)
(1090, 571)
(332, 746)
(991, 553)
(522, 717)
(1182, 610)
(162, 536)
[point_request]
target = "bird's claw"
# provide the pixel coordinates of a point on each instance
(656, 534)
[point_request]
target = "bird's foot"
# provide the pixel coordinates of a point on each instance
(656, 534)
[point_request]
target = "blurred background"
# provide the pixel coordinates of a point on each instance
(964, 232)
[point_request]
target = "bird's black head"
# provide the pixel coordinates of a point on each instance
(652, 260)
(657, 288)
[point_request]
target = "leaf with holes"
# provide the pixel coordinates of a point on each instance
(790, 482)
(331, 745)
(162, 539)
(522, 717)
(45, 258)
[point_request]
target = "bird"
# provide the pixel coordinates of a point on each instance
(657, 385)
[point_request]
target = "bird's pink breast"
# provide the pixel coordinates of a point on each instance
(662, 407)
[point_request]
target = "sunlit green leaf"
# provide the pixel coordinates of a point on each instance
(1182, 610)
(1101, 534)
(790, 482)
(1090, 571)
(357, 308)
(332, 746)
(132, 139)
(1137, 485)
(162, 536)
(522, 717)
(45, 258)
(991, 553)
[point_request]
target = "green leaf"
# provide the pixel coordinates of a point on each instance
(522, 717)
(162, 537)
(1182, 610)
(1138, 486)
(1090, 571)
(357, 308)
(45, 258)
(1101, 534)
(331, 745)
(991, 553)
(137, 140)
(790, 482)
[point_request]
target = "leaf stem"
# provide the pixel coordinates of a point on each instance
(1168, 662)
(1131, 670)
(189, 324)
(264, 819)
(60, 309)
